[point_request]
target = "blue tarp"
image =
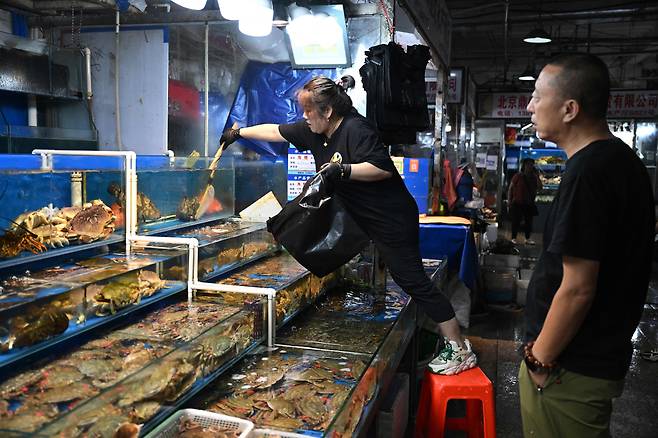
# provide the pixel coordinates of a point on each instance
(457, 243)
(267, 95)
(19, 24)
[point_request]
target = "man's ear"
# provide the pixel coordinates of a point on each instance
(329, 112)
(571, 110)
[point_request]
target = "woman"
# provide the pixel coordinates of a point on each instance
(521, 199)
(373, 193)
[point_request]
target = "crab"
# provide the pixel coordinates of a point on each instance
(95, 221)
(49, 224)
(146, 209)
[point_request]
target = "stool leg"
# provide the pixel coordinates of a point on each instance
(489, 414)
(439, 406)
(424, 408)
(474, 418)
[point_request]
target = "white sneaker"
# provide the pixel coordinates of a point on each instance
(513, 241)
(453, 359)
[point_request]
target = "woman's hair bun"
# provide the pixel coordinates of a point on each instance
(346, 82)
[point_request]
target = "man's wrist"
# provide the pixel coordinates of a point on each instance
(534, 363)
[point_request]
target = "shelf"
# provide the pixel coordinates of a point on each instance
(169, 380)
(202, 338)
(348, 383)
(28, 257)
(174, 224)
(73, 331)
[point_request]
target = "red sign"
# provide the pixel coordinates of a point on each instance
(642, 103)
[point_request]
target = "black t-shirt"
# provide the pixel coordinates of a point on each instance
(384, 209)
(603, 211)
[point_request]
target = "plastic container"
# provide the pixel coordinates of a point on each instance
(170, 427)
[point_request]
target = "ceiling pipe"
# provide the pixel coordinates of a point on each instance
(490, 56)
(524, 18)
(179, 17)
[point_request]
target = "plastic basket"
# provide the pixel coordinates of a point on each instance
(169, 428)
(267, 433)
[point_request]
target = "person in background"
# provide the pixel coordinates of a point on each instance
(521, 199)
(373, 193)
(588, 290)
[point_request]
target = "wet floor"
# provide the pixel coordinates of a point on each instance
(497, 335)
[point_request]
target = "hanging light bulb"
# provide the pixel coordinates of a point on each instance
(528, 74)
(230, 9)
(257, 21)
(538, 36)
(197, 5)
(448, 127)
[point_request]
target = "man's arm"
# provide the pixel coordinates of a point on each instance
(368, 172)
(570, 305)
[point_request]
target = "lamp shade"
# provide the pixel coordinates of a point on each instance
(191, 4)
(258, 20)
(230, 9)
(538, 36)
(527, 75)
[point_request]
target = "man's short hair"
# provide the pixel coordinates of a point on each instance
(585, 78)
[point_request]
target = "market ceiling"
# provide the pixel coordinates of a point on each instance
(487, 36)
(624, 33)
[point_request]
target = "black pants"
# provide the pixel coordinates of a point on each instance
(518, 213)
(406, 268)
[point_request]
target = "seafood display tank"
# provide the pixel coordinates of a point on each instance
(93, 335)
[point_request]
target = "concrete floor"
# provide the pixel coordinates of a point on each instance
(496, 336)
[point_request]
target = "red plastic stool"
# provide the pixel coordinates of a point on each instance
(472, 386)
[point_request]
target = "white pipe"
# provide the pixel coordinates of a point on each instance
(31, 110)
(264, 291)
(130, 169)
(205, 93)
(117, 112)
(87, 53)
(192, 255)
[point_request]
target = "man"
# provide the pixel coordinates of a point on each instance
(588, 290)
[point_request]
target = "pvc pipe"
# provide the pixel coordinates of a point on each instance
(264, 291)
(87, 53)
(117, 112)
(31, 110)
(205, 94)
(130, 169)
(192, 255)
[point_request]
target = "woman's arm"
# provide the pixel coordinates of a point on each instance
(265, 132)
(368, 172)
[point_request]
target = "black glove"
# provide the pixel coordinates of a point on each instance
(229, 137)
(335, 172)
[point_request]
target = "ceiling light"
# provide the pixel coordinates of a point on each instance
(191, 4)
(528, 74)
(230, 9)
(538, 36)
(257, 21)
(448, 127)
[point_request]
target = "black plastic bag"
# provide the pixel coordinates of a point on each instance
(316, 229)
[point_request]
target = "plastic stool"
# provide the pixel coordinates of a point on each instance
(472, 386)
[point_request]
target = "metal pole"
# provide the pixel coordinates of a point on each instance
(117, 110)
(205, 118)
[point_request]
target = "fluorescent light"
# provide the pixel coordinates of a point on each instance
(527, 75)
(230, 9)
(257, 21)
(538, 36)
(197, 5)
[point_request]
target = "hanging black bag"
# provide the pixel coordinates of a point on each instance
(316, 229)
